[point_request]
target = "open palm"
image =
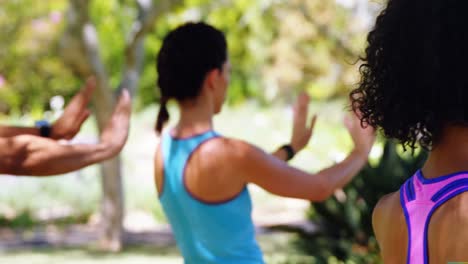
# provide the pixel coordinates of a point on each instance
(75, 113)
(302, 132)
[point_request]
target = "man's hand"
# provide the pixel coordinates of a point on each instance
(302, 132)
(32, 155)
(75, 113)
(115, 133)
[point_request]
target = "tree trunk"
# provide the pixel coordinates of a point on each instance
(80, 50)
(112, 205)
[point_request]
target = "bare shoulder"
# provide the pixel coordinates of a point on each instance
(232, 156)
(384, 211)
(216, 170)
(390, 229)
(386, 203)
(223, 148)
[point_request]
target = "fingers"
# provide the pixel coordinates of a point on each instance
(303, 99)
(87, 90)
(301, 108)
(302, 102)
(82, 98)
(116, 131)
(75, 126)
(122, 110)
(312, 124)
(89, 87)
(124, 103)
(86, 93)
(83, 116)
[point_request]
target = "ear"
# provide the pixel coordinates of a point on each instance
(212, 78)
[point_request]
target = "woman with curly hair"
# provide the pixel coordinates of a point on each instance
(414, 88)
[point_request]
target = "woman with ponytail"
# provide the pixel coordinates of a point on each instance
(202, 177)
(163, 115)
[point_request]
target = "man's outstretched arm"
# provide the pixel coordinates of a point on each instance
(11, 131)
(32, 155)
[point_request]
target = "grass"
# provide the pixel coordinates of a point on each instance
(83, 256)
(276, 247)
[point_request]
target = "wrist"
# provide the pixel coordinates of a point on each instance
(44, 127)
(54, 134)
(296, 147)
(104, 150)
(361, 154)
(110, 148)
(289, 150)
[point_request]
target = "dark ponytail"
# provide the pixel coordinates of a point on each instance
(163, 116)
(187, 54)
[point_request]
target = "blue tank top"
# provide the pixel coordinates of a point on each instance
(205, 232)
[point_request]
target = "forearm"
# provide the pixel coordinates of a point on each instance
(280, 154)
(29, 155)
(340, 174)
(11, 131)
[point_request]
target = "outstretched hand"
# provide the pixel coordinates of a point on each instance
(363, 137)
(302, 132)
(115, 133)
(75, 113)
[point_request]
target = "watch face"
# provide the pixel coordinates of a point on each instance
(44, 128)
(41, 123)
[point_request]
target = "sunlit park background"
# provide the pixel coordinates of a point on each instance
(112, 215)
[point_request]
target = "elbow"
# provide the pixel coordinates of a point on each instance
(323, 195)
(324, 191)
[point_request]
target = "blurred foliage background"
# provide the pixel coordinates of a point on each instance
(277, 48)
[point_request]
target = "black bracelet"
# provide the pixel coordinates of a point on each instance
(289, 151)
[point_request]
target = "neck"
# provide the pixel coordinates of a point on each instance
(450, 154)
(196, 116)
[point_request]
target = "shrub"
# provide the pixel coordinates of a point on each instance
(345, 220)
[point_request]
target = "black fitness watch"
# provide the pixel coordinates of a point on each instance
(44, 127)
(289, 151)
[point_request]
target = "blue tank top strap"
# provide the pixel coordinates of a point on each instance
(461, 185)
(190, 143)
(176, 153)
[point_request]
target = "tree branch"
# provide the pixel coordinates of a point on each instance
(80, 47)
(148, 12)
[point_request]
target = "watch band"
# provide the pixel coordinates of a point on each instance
(289, 151)
(44, 128)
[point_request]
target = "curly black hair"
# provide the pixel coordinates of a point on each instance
(414, 79)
